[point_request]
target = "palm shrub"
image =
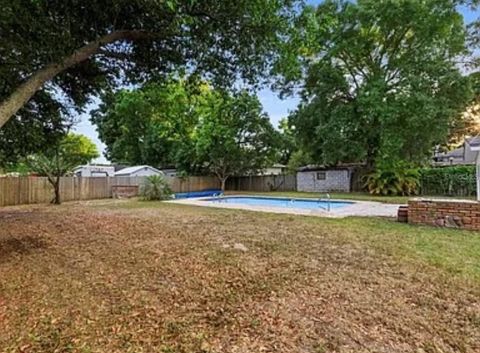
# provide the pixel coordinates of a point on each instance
(394, 179)
(155, 188)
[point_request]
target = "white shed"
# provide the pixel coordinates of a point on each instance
(138, 171)
(276, 169)
(94, 170)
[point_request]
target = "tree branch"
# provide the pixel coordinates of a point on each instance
(26, 90)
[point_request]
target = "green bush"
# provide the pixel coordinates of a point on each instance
(396, 179)
(448, 181)
(155, 188)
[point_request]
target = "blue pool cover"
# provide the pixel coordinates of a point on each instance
(203, 193)
(281, 202)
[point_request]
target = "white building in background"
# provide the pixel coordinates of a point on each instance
(276, 169)
(170, 172)
(139, 171)
(94, 170)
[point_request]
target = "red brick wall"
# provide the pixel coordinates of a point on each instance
(445, 213)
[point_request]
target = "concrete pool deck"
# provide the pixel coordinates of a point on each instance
(357, 208)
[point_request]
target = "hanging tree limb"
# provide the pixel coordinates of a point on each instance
(22, 94)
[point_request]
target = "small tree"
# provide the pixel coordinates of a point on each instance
(234, 137)
(61, 159)
(53, 166)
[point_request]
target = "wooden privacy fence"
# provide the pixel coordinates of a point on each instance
(31, 190)
(262, 183)
(194, 183)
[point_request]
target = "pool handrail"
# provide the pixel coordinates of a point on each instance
(328, 201)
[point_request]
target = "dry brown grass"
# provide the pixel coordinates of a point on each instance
(101, 277)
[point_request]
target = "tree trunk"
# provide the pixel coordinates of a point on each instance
(222, 181)
(23, 93)
(56, 187)
(55, 181)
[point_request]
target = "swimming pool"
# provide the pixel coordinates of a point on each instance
(321, 204)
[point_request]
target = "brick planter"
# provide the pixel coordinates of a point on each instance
(445, 213)
(124, 191)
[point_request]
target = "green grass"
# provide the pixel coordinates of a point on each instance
(360, 196)
(451, 250)
(455, 252)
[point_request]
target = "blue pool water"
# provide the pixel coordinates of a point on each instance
(280, 202)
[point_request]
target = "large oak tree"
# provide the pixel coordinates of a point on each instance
(67, 50)
(381, 80)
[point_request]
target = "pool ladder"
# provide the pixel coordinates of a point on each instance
(327, 196)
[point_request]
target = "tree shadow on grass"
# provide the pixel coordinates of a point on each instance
(22, 246)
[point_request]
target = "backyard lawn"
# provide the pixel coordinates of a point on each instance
(132, 276)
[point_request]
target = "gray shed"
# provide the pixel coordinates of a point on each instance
(324, 179)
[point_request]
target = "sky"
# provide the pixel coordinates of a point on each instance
(275, 107)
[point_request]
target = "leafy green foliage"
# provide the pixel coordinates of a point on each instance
(381, 82)
(224, 40)
(156, 188)
(396, 179)
(59, 160)
(399, 179)
(53, 167)
(234, 137)
(20, 168)
(448, 181)
(474, 32)
(468, 122)
(298, 159)
(78, 149)
(148, 125)
(286, 141)
(42, 123)
(190, 125)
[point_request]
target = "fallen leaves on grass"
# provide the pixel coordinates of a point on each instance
(81, 279)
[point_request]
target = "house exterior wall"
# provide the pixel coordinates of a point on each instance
(465, 155)
(335, 180)
(470, 155)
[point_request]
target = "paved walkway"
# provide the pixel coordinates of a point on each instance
(357, 208)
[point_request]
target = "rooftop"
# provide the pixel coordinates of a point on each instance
(131, 170)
